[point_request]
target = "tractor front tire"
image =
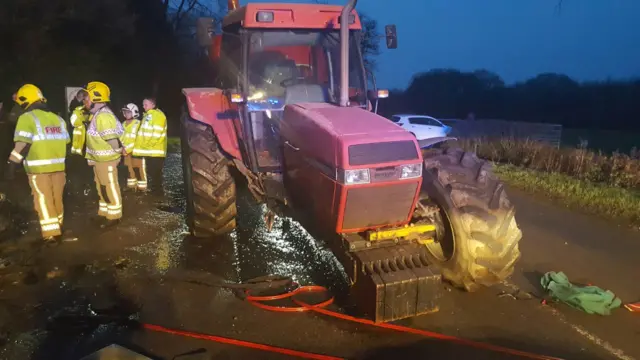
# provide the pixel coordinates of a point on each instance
(477, 241)
(209, 186)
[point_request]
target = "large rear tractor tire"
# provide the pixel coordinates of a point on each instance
(210, 189)
(477, 238)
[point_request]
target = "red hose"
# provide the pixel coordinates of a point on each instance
(247, 344)
(320, 308)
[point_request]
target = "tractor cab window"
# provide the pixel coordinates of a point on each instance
(289, 67)
(230, 63)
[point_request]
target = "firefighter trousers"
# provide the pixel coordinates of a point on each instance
(47, 190)
(151, 170)
(155, 166)
(106, 178)
(137, 173)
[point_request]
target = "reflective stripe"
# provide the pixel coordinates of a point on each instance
(147, 152)
(144, 170)
(17, 155)
(41, 199)
(109, 132)
(151, 134)
(50, 137)
(146, 125)
(101, 152)
(44, 162)
(112, 183)
(102, 205)
(51, 227)
(24, 134)
(49, 221)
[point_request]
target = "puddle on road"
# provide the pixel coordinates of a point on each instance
(248, 252)
(169, 225)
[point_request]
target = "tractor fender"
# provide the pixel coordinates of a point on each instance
(212, 107)
(432, 141)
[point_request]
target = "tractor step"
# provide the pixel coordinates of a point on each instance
(393, 282)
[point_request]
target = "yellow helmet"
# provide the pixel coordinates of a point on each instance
(99, 92)
(29, 94)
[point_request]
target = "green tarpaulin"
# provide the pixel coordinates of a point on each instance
(590, 299)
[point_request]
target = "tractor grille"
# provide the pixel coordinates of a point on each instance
(377, 153)
(378, 205)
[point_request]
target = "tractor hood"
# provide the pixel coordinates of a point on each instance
(352, 123)
(333, 135)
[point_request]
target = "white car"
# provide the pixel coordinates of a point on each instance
(422, 126)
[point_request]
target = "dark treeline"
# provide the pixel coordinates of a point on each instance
(137, 47)
(551, 98)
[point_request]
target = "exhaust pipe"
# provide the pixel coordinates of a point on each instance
(232, 5)
(344, 51)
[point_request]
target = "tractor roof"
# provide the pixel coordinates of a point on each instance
(291, 16)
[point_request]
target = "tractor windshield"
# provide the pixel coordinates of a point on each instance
(293, 66)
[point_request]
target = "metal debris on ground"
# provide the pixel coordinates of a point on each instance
(516, 294)
(256, 285)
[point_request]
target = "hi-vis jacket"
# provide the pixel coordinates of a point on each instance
(78, 118)
(128, 139)
(104, 126)
(48, 136)
(152, 136)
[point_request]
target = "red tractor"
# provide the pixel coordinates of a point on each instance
(291, 112)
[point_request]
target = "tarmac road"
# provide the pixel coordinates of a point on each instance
(125, 266)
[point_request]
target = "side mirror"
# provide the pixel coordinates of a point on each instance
(392, 36)
(204, 31)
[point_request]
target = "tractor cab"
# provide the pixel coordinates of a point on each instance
(274, 55)
(286, 67)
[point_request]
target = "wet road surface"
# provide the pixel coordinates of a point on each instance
(126, 267)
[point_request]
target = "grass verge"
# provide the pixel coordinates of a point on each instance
(173, 143)
(599, 199)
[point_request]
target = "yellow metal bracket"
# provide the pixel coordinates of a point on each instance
(400, 232)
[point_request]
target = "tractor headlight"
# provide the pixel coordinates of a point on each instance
(410, 171)
(357, 176)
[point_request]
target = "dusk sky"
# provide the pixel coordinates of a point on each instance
(517, 39)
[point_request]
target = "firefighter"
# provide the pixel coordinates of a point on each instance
(151, 142)
(79, 118)
(137, 178)
(103, 152)
(41, 140)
